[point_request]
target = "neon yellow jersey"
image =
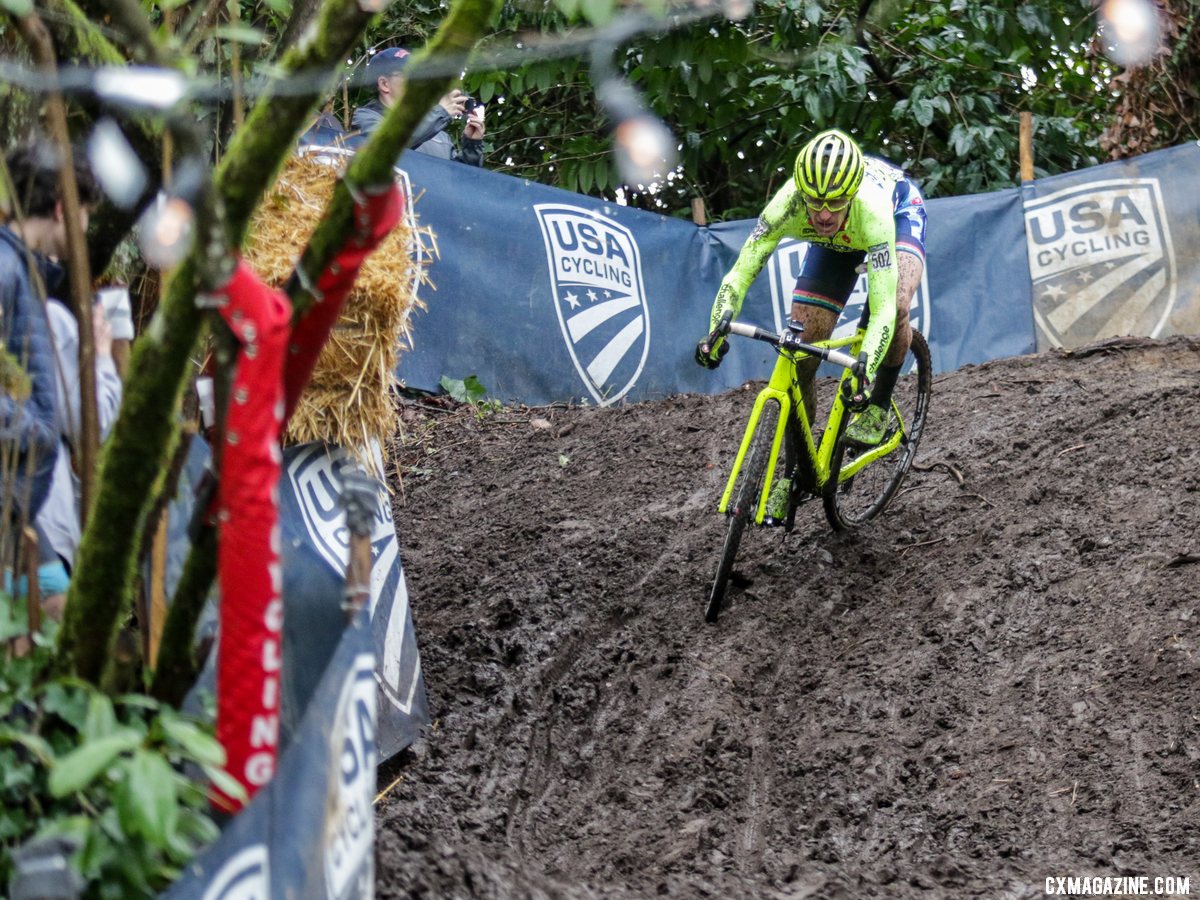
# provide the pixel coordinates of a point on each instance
(870, 227)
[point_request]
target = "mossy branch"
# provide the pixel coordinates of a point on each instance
(373, 164)
(146, 430)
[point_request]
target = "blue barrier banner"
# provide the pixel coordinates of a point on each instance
(310, 832)
(316, 549)
(550, 296)
(1115, 249)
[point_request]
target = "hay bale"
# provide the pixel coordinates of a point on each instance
(350, 400)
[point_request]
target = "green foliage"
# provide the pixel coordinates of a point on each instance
(933, 86)
(464, 390)
(106, 772)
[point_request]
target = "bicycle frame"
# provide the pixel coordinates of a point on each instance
(784, 387)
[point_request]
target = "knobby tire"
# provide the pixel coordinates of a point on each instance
(744, 503)
(851, 503)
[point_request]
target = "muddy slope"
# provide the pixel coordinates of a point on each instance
(995, 683)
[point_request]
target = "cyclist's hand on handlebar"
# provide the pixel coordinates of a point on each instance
(710, 351)
(858, 397)
(856, 390)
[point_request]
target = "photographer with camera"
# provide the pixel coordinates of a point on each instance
(385, 72)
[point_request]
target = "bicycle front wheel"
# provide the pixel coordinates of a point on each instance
(851, 501)
(744, 502)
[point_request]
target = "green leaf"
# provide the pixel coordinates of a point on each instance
(225, 783)
(79, 768)
(68, 700)
(923, 112)
(598, 12)
(812, 105)
(147, 798)
(569, 8)
(101, 721)
(467, 390)
(34, 743)
(197, 744)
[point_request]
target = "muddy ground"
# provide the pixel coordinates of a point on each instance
(993, 684)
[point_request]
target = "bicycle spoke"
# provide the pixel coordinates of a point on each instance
(853, 500)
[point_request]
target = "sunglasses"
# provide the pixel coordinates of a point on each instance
(816, 204)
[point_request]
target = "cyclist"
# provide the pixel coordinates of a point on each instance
(849, 208)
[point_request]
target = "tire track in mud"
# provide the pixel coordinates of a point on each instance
(890, 713)
(760, 771)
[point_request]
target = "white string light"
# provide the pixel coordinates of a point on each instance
(115, 164)
(164, 232)
(1130, 32)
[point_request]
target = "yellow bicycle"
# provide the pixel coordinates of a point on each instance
(856, 483)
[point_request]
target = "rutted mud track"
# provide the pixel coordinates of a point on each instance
(995, 683)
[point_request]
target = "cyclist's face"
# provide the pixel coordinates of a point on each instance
(827, 216)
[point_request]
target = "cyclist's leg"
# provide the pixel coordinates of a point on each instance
(910, 260)
(826, 279)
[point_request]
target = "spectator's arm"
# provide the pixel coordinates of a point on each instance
(435, 120)
(108, 393)
(471, 152)
(108, 382)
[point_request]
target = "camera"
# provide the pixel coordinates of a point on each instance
(469, 104)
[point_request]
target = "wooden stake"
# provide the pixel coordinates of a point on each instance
(1026, 147)
(33, 590)
(359, 497)
(698, 214)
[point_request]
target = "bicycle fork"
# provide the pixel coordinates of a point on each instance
(785, 407)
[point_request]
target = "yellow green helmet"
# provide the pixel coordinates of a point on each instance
(830, 166)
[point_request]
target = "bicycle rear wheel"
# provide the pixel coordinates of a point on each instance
(851, 502)
(744, 503)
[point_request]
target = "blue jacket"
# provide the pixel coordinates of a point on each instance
(429, 137)
(31, 426)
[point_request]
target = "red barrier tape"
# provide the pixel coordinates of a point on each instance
(267, 383)
(250, 651)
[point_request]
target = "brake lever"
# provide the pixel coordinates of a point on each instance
(721, 330)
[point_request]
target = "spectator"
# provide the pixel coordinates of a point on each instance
(34, 225)
(43, 230)
(385, 72)
(59, 519)
(325, 131)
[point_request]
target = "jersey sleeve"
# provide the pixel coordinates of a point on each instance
(882, 280)
(754, 253)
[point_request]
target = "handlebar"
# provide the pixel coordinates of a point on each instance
(788, 340)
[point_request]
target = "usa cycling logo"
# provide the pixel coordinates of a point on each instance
(349, 820)
(784, 267)
(599, 297)
(1102, 262)
(244, 876)
(316, 487)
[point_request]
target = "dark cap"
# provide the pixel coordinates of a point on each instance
(387, 62)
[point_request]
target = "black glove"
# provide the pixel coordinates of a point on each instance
(709, 356)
